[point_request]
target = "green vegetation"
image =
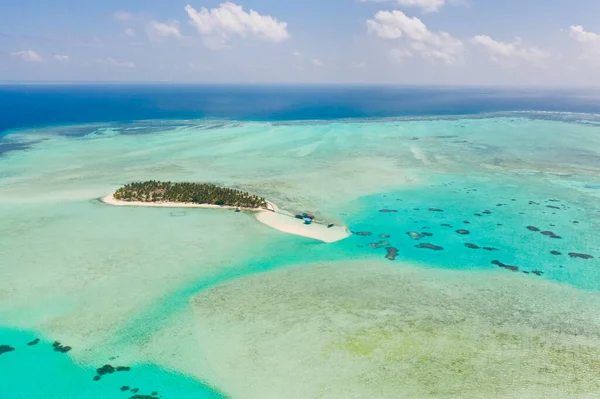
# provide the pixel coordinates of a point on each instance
(199, 193)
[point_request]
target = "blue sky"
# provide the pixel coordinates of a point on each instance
(473, 42)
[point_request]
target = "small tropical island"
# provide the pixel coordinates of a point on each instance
(206, 195)
(188, 193)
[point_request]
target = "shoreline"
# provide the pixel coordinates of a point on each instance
(271, 216)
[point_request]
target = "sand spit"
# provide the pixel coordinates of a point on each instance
(273, 217)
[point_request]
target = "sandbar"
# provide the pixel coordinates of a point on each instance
(272, 217)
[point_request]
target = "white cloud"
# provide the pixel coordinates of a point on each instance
(509, 54)
(28, 56)
(400, 55)
(62, 58)
(425, 5)
(588, 41)
(317, 62)
(395, 25)
(116, 63)
(130, 32)
(297, 54)
(123, 16)
(218, 25)
(160, 30)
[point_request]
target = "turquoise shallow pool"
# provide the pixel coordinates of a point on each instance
(513, 194)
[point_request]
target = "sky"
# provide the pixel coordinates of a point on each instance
(424, 42)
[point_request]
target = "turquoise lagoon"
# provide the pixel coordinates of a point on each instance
(191, 299)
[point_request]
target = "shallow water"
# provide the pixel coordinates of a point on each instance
(121, 282)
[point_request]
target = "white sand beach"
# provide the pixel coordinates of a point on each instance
(289, 224)
(272, 217)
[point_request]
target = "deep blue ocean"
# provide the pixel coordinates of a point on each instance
(31, 105)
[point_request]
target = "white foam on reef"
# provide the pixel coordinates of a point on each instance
(388, 330)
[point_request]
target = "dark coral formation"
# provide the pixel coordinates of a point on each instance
(34, 342)
(58, 347)
(581, 256)
(491, 249)
(106, 369)
(551, 234)
(463, 232)
(486, 212)
(123, 368)
(430, 246)
(379, 244)
(391, 253)
(505, 266)
(552, 207)
(537, 272)
(447, 225)
(388, 211)
(472, 246)
(125, 388)
(6, 349)
(414, 235)
(426, 234)
(532, 228)
(384, 236)
(555, 253)
(436, 210)
(364, 233)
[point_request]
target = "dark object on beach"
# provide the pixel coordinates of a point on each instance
(537, 272)
(364, 233)
(490, 249)
(237, 209)
(505, 266)
(34, 342)
(582, 256)
(96, 378)
(330, 225)
(426, 234)
(532, 228)
(391, 253)
(58, 347)
(106, 369)
(125, 388)
(430, 246)
(463, 232)
(414, 235)
(388, 211)
(123, 368)
(550, 234)
(6, 349)
(436, 210)
(472, 246)
(555, 253)
(299, 217)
